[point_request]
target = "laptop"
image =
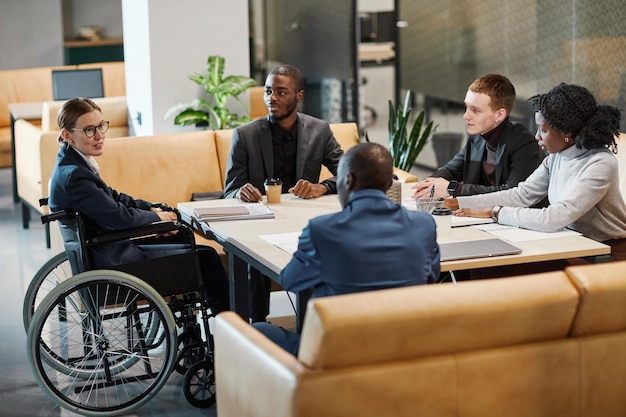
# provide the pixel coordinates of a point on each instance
(476, 249)
(67, 84)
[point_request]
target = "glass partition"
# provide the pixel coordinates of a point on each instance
(445, 45)
(320, 39)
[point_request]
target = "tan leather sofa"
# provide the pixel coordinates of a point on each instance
(551, 344)
(35, 85)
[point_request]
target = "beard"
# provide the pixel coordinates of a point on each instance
(278, 117)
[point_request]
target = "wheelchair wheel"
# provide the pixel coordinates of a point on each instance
(199, 384)
(91, 343)
(191, 349)
(51, 274)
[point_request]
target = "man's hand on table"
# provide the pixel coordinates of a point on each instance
(423, 188)
(250, 194)
(306, 189)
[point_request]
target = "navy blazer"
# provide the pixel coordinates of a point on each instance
(517, 156)
(251, 158)
(75, 186)
(371, 244)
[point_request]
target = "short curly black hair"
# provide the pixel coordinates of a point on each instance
(573, 109)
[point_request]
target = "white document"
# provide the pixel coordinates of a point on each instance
(285, 241)
(458, 221)
(516, 234)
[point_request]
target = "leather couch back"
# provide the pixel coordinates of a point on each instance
(165, 168)
(602, 289)
(420, 322)
(35, 84)
(114, 109)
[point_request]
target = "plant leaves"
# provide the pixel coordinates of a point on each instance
(191, 117)
(215, 68)
(218, 90)
(403, 146)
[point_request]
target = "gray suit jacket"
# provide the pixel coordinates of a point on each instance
(251, 157)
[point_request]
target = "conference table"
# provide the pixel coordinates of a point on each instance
(246, 243)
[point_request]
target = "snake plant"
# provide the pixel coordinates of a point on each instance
(405, 146)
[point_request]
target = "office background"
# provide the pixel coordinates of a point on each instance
(438, 49)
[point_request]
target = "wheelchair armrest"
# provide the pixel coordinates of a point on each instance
(59, 215)
(151, 229)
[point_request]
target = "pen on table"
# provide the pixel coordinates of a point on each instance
(432, 191)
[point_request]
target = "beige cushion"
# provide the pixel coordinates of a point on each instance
(448, 318)
(222, 142)
(166, 168)
(347, 134)
(602, 290)
(114, 110)
(257, 102)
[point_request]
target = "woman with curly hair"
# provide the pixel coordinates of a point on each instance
(579, 176)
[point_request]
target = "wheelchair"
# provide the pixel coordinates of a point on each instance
(102, 342)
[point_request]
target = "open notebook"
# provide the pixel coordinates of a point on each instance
(476, 249)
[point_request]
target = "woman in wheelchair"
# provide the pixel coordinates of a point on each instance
(76, 185)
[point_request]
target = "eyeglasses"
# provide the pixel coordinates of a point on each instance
(90, 131)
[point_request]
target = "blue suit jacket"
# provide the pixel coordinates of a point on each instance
(76, 187)
(251, 157)
(371, 244)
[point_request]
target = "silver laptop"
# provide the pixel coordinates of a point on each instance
(476, 249)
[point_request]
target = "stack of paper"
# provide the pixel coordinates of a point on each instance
(516, 234)
(236, 212)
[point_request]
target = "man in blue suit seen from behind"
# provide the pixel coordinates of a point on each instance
(371, 244)
(286, 144)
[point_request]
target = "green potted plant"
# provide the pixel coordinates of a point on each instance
(405, 145)
(212, 111)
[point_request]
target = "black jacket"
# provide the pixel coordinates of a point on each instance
(518, 155)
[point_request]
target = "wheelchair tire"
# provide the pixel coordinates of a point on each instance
(191, 349)
(56, 270)
(90, 343)
(199, 384)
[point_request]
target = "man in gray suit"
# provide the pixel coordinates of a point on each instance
(287, 145)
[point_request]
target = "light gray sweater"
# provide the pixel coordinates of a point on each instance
(582, 186)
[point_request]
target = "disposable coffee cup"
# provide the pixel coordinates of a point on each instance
(443, 220)
(273, 190)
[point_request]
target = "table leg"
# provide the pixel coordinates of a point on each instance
(25, 215)
(238, 282)
(16, 197)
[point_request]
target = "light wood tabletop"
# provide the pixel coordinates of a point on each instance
(293, 214)
(243, 241)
